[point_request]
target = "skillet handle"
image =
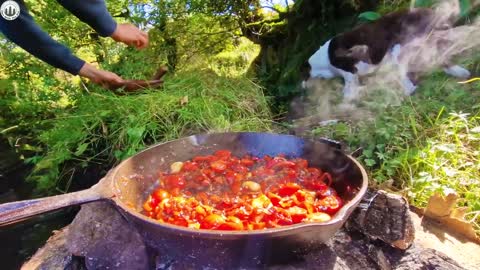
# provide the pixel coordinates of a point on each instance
(18, 211)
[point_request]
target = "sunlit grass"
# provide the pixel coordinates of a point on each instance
(450, 161)
(105, 128)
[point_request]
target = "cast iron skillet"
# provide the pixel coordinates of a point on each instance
(128, 185)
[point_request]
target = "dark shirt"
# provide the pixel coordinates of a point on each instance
(24, 32)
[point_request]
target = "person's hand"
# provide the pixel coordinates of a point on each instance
(104, 78)
(130, 35)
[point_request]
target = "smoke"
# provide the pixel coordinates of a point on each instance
(323, 102)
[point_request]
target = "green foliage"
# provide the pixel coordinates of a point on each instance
(424, 3)
(449, 161)
(465, 5)
(389, 6)
(63, 126)
(105, 128)
(369, 16)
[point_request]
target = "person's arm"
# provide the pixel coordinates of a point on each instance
(95, 14)
(24, 32)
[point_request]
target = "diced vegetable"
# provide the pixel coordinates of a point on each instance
(224, 192)
(251, 186)
(318, 217)
(176, 167)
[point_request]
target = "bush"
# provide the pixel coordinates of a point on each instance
(424, 145)
(104, 128)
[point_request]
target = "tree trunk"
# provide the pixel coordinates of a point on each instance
(304, 28)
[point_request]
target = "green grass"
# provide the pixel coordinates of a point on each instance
(429, 143)
(105, 128)
(450, 161)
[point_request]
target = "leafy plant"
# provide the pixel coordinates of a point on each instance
(465, 8)
(424, 145)
(105, 128)
(369, 16)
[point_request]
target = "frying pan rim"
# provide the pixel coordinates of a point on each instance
(339, 217)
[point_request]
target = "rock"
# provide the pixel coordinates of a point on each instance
(106, 240)
(384, 216)
(53, 256)
(417, 258)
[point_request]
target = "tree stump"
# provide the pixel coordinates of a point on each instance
(378, 235)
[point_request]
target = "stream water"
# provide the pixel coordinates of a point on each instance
(18, 242)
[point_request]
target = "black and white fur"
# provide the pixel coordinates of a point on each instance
(360, 51)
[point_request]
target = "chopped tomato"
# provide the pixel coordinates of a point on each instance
(160, 194)
(173, 181)
(239, 168)
(274, 198)
(243, 213)
(147, 206)
(330, 204)
(315, 173)
(302, 163)
(207, 172)
(224, 154)
(212, 221)
(297, 214)
(180, 222)
(291, 173)
(190, 166)
(284, 164)
(232, 224)
(247, 162)
(204, 158)
(236, 187)
(218, 165)
(327, 177)
(224, 192)
(283, 217)
(288, 189)
(258, 225)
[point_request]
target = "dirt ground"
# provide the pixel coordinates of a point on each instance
(428, 234)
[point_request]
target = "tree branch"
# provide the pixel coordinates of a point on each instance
(274, 9)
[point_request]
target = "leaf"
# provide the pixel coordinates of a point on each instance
(118, 154)
(369, 16)
(423, 3)
(442, 209)
(464, 7)
(33, 160)
(81, 149)
(28, 147)
(135, 134)
(370, 162)
(184, 100)
(471, 80)
(475, 130)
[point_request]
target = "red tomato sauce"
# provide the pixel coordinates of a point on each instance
(224, 192)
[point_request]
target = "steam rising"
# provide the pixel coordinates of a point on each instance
(323, 100)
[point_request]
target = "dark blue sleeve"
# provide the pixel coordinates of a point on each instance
(93, 13)
(24, 32)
